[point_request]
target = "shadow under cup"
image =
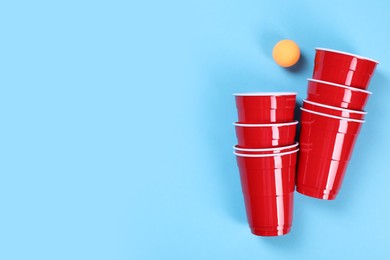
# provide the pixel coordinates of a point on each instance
(268, 182)
(326, 145)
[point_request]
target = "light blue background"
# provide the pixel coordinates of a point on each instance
(116, 135)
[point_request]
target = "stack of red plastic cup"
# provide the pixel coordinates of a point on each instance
(266, 157)
(331, 120)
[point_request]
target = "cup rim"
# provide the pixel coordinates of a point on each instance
(261, 94)
(339, 85)
(265, 155)
(332, 116)
(265, 149)
(346, 53)
(335, 108)
(265, 125)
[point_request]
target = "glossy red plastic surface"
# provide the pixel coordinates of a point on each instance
(335, 111)
(343, 68)
(273, 150)
(326, 145)
(265, 136)
(262, 109)
(337, 95)
(343, 77)
(270, 216)
(268, 186)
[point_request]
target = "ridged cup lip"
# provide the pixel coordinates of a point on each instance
(332, 116)
(265, 155)
(265, 125)
(265, 149)
(261, 94)
(339, 85)
(335, 108)
(346, 53)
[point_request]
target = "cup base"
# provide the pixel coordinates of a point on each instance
(271, 231)
(316, 193)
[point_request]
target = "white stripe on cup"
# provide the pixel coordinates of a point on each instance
(265, 125)
(339, 85)
(265, 149)
(335, 108)
(265, 155)
(261, 94)
(332, 116)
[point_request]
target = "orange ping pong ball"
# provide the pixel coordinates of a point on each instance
(286, 53)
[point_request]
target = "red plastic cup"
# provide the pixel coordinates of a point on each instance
(343, 68)
(334, 111)
(337, 95)
(265, 135)
(275, 150)
(326, 144)
(267, 182)
(265, 107)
